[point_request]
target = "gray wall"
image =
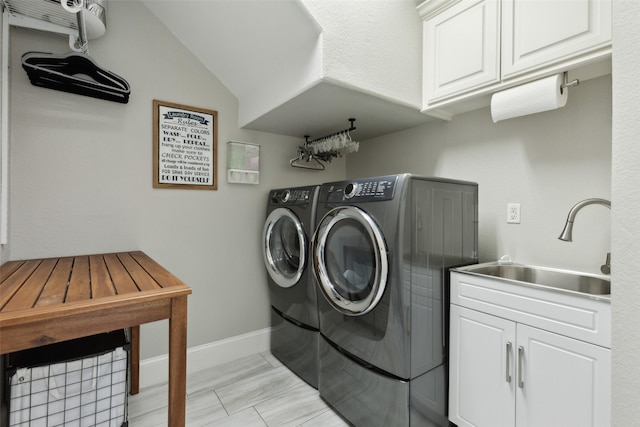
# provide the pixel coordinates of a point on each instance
(625, 239)
(81, 181)
(4, 249)
(546, 162)
(81, 177)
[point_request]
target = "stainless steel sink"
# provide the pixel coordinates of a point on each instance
(558, 279)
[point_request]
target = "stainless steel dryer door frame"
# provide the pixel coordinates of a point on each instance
(340, 283)
(279, 265)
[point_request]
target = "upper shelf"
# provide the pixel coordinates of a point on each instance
(303, 67)
(52, 17)
(325, 107)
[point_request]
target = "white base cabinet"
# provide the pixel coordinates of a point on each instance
(504, 373)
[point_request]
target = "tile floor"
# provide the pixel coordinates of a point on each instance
(255, 391)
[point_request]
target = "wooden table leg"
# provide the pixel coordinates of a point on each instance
(178, 362)
(135, 359)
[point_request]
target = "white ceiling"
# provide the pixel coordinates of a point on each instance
(270, 55)
(238, 39)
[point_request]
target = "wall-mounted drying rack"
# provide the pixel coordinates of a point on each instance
(314, 152)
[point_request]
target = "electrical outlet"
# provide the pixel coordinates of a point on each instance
(513, 213)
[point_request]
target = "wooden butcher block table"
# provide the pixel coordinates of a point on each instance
(43, 301)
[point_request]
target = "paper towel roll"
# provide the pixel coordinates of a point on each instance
(535, 97)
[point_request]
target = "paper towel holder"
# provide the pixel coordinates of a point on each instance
(568, 83)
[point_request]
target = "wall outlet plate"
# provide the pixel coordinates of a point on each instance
(513, 213)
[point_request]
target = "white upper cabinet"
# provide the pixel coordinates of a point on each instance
(472, 48)
(464, 46)
(539, 33)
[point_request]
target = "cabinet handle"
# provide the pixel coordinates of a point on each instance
(520, 357)
(508, 373)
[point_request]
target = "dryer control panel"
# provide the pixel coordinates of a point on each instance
(363, 190)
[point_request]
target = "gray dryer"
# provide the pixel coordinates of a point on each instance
(381, 252)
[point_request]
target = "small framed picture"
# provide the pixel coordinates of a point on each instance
(185, 147)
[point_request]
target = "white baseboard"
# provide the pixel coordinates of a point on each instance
(155, 370)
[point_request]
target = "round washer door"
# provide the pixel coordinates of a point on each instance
(350, 260)
(284, 247)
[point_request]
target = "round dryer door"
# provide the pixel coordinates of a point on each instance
(350, 260)
(284, 247)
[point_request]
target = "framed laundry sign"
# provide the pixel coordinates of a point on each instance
(185, 147)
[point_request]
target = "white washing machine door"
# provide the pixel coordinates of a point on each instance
(284, 247)
(350, 260)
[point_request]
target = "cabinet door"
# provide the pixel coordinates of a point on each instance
(565, 382)
(540, 33)
(461, 49)
(482, 368)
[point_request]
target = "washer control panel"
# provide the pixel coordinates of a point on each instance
(363, 190)
(296, 196)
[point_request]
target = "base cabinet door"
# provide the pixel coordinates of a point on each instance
(481, 380)
(506, 374)
(562, 382)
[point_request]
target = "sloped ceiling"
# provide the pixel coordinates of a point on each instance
(298, 74)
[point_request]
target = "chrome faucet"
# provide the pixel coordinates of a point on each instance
(566, 234)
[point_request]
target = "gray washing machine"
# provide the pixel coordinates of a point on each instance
(294, 311)
(381, 254)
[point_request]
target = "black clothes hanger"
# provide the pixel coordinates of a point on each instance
(75, 73)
